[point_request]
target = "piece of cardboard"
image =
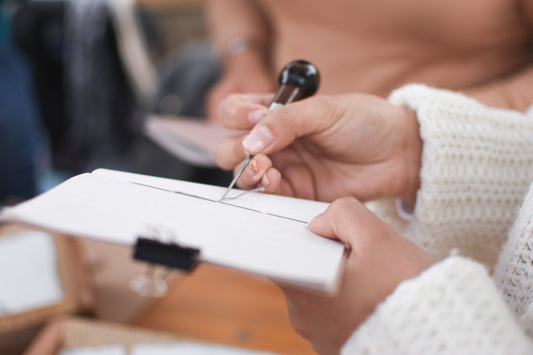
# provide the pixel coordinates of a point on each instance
(77, 335)
(64, 333)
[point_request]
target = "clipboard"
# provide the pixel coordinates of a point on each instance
(262, 234)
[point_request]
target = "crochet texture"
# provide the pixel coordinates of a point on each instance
(477, 165)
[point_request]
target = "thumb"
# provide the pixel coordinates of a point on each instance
(349, 221)
(282, 126)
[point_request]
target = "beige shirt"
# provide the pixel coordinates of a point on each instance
(482, 47)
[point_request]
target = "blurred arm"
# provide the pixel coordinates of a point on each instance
(232, 20)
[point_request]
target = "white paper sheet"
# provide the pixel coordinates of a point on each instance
(295, 208)
(257, 233)
(191, 140)
(28, 272)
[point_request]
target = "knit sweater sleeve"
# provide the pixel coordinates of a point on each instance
(513, 273)
(452, 308)
(455, 307)
(477, 163)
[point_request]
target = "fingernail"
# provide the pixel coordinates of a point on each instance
(257, 115)
(253, 169)
(258, 139)
(264, 181)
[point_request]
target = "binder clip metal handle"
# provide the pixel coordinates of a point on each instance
(167, 254)
(171, 255)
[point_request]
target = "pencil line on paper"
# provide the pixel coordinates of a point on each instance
(222, 202)
(257, 189)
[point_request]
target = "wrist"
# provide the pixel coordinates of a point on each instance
(413, 156)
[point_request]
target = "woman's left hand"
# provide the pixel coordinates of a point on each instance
(380, 259)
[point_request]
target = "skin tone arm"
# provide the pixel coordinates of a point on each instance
(513, 91)
(380, 259)
(349, 145)
(246, 71)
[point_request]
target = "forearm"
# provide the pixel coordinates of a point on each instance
(513, 92)
(231, 20)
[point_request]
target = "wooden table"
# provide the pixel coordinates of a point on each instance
(212, 304)
(227, 307)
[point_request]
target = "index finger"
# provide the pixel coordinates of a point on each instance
(282, 126)
(234, 111)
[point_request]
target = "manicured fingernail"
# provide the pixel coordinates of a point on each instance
(264, 181)
(258, 139)
(257, 115)
(253, 169)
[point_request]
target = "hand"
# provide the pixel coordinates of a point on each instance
(244, 74)
(380, 259)
(325, 147)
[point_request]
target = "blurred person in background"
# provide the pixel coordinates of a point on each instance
(482, 49)
(23, 146)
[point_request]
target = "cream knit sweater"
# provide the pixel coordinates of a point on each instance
(477, 165)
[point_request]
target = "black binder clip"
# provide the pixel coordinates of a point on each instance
(167, 254)
(171, 255)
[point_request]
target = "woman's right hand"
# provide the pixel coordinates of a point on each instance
(324, 147)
